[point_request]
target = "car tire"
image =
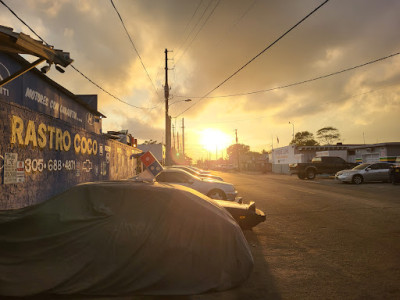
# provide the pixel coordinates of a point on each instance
(301, 175)
(310, 174)
(357, 179)
(217, 194)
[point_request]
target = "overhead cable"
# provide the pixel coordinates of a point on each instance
(264, 117)
(91, 81)
(255, 57)
(300, 82)
(116, 98)
(22, 21)
(134, 47)
(200, 29)
(187, 26)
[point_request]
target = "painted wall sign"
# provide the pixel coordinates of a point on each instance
(50, 141)
(44, 136)
(10, 168)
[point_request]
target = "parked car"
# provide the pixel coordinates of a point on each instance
(212, 188)
(365, 172)
(394, 172)
(197, 172)
(246, 215)
(319, 165)
(121, 238)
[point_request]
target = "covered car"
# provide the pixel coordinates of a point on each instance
(122, 238)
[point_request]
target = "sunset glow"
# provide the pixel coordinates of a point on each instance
(212, 139)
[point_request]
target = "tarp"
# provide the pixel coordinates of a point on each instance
(122, 238)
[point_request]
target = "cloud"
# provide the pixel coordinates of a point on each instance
(339, 35)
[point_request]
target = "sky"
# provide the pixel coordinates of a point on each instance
(208, 41)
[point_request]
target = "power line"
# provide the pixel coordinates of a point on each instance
(91, 81)
(183, 41)
(259, 54)
(134, 47)
(201, 28)
(105, 91)
(300, 82)
(264, 117)
(22, 21)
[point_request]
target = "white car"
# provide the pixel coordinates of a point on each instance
(212, 188)
(366, 172)
(197, 173)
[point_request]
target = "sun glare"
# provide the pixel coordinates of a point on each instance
(214, 139)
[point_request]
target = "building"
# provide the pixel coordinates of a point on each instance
(51, 139)
(282, 157)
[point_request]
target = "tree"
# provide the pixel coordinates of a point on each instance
(232, 150)
(237, 149)
(328, 135)
(304, 138)
(150, 142)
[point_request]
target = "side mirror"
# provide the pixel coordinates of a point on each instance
(367, 169)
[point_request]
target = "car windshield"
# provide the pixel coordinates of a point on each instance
(361, 167)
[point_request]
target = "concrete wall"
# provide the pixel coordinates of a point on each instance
(50, 139)
(41, 156)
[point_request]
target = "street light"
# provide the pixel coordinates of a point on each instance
(293, 130)
(186, 100)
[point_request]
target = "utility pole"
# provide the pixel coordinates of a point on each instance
(173, 137)
(237, 150)
(178, 146)
(183, 137)
(167, 117)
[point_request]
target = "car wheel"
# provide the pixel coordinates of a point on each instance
(301, 175)
(311, 174)
(217, 194)
(357, 179)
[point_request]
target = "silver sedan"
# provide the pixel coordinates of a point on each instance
(366, 172)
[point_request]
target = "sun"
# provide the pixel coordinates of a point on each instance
(214, 139)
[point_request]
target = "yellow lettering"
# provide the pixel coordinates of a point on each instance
(77, 143)
(83, 145)
(51, 131)
(94, 147)
(67, 136)
(42, 139)
(59, 142)
(17, 126)
(30, 134)
(89, 146)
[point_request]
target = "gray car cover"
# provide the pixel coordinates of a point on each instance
(122, 238)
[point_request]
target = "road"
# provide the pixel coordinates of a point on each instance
(322, 239)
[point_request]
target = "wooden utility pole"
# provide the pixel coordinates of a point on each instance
(183, 137)
(237, 150)
(167, 117)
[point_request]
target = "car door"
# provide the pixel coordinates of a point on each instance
(374, 172)
(382, 172)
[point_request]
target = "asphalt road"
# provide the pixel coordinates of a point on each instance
(322, 239)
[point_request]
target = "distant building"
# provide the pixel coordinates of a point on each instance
(282, 157)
